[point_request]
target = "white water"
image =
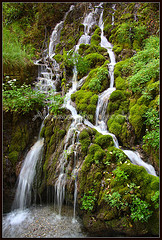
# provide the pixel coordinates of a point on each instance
(88, 23)
(113, 7)
(26, 176)
(135, 159)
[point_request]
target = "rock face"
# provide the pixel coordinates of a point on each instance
(108, 185)
(19, 134)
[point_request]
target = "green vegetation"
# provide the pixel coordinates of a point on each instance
(55, 103)
(88, 201)
(14, 53)
(21, 99)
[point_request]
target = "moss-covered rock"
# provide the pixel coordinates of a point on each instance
(104, 141)
(136, 118)
(95, 59)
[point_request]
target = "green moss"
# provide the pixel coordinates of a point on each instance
(84, 139)
(98, 30)
(136, 118)
(115, 124)
(99, 155)
(13, 157)
(42, 132)
(95, 59)
(91, 109)
(52, 140)
(58, 58)
(119, 68)
(82, 48)
(115, 128)
(117, 95)
(104, 141)
(93, 148)
(94, 99)
(62, 133)
(84, 134)
(87, 163)
(48, 131)
(117, 49)
(121, 83)
(95, 39)
(86, 103)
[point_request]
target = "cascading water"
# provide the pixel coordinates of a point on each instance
(113, 7)
(26, 176)
(88, 23)
(18, 221)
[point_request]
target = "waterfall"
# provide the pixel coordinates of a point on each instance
(88, 23)
(113, 7)
(103, 102)
(26, 176)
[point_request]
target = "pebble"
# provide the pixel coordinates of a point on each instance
(46, 225)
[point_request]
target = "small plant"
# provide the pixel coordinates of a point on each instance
(140, 210)
(155, 199)
(21, 99)
(55, 102)
(120, 175)
(88, 201)
(115, 200)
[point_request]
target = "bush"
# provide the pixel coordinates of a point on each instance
(13, 52)
(88, 201)
(23, 99)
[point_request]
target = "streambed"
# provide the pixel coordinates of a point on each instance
(42, 222)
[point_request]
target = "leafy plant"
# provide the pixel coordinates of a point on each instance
(95, 82)
(155, 199)
(115, 200)
(152, 136)
(88, 201)
(120, 175)
(21, 99)
(55, 102)
(140, 210)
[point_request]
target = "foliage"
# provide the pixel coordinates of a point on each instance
(95, 83)
(55, 102)
(146, 65)
(140, 210)
(82, 64)
(88, 201)
(115, 200)
(152, 138)
(155, 199)
(14, 54)
(21, 99)
(120, 175)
